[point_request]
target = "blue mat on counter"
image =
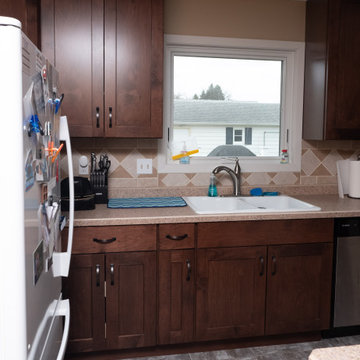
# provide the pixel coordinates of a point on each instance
(153, 202)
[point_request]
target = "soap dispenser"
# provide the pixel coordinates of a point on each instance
(212, 187)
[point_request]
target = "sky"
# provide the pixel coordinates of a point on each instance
(242, 80)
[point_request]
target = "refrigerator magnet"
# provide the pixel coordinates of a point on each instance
(29, 170)
(38, 262)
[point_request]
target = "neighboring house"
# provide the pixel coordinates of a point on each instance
(219, 122)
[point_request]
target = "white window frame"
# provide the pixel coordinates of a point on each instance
(242, 136)
(292, 53)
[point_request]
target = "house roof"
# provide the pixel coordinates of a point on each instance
(224, 112)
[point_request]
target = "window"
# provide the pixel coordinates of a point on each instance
(232, 98)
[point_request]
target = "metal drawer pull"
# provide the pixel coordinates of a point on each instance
(188, 266)
(273, 267)
(110, 117)
(104, 241)
(97, 274)
(262, 267)
(111, 274)
(177, 238)
(97, 117)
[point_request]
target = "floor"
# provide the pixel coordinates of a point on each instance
(299, 351)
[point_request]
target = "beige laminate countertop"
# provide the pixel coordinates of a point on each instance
(331, 206)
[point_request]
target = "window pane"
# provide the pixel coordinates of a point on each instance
(215, 96)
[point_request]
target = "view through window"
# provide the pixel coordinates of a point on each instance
(227, 106)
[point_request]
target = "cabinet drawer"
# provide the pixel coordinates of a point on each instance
(265, 232)
(103, 239)
(176, 236)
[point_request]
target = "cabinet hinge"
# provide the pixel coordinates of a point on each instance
(104, 289)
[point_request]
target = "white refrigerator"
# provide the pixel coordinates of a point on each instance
(34, 318)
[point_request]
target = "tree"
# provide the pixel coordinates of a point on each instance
(212, 93)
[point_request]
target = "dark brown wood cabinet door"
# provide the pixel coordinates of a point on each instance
(72, 36)
(298, 288)
(85, 289)
(348, 51)
(230, 299)
(176, 296)
(28, 13)
(130, 299)
(133, 68)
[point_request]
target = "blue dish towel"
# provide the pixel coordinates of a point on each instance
(127, 203)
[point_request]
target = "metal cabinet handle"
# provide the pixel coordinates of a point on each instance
(97, 274)
(177, 238)
(110, 117)
(262, 265)
(273, 265)
(104, 241)
(97, 117)
(188, 267)
(112, 274)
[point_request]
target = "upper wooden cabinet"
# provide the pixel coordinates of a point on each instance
(28, 13)
(109, 54)
(332, 89)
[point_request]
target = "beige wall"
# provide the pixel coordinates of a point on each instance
(248, 19)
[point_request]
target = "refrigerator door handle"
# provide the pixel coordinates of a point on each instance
(63, 309)
(61, 261)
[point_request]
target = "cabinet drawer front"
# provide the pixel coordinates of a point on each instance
(176, 236)
(265, 232)
(102, 239)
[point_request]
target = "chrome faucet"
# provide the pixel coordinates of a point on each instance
(235, 176)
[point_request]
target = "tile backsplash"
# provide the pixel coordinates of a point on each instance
(317, 175)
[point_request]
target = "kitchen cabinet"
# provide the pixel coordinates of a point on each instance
(298, 288)
(109, 54)
(176, 276)
(332, 91)
(28, 13)
(230, 292)
(112, 288)
(85, 289)
(282, 285)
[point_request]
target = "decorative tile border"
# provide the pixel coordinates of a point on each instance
(318, 169)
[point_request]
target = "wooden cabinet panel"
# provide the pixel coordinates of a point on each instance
(28, 13)
(109, 54)
(230, 299)
(85, 289)
(249, 233)
(299, 288)
(131, 300)
(133, 68)
(176, 296)
(331, 89)
(112, 238)
(176, 236)
(73, 38)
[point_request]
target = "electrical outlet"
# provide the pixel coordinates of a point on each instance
(144, 166)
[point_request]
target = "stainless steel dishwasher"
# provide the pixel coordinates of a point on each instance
(347, 273)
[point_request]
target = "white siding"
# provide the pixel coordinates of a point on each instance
(265, 140)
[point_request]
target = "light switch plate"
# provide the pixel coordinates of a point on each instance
(144, 166)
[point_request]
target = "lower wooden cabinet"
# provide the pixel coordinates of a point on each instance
(130, 300)
(146, 285)
(298, 288)
(230, 296)
(85, 289)
(176, 296)
(112, 301)
(233, 283)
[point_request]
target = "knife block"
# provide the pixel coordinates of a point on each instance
(99, 184)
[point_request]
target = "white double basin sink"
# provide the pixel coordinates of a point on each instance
(247, 204)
